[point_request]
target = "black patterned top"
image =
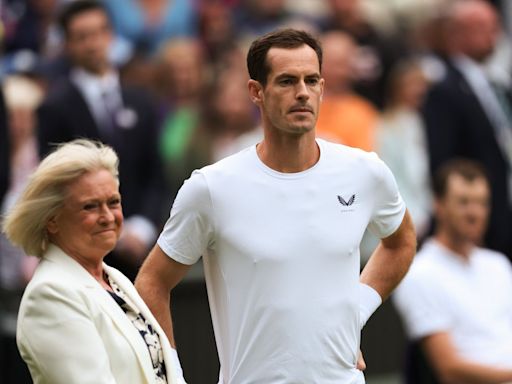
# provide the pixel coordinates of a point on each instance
(146, 330)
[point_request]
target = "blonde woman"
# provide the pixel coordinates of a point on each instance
(81, 321)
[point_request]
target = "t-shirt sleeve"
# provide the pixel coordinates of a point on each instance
(389, 207)
(420, 306)
(189, 230)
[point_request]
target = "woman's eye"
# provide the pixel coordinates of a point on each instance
(114, 202)
(90, 206)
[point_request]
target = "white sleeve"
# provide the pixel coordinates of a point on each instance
(59, 341)
(189, 229)
(420, 306)
(389, 208)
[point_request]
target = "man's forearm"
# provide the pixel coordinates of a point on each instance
(391, 260)
(158, 301)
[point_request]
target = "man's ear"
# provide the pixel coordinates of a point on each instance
(255, 91)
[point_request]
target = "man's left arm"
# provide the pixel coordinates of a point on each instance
(387, 266)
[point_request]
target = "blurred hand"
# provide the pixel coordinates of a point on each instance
(132, 247)
(361, 365)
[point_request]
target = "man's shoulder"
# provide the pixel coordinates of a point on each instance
(429, 261)
(353, 159)
(345, 152)
(235, 162)
(62, 91)
(492, 257)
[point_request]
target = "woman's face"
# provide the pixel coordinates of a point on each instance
(90, 221)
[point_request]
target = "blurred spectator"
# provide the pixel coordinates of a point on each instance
(28, 25)
(92, 103)
(216, 27)
(181, 79)
(147, 24)
(455, 301)
(208, 114)
(4, 149)
(257, 17)
(344, 117)
(22, 97)
(467, 116)
(230, 118)
(401, 140)
(376, 53)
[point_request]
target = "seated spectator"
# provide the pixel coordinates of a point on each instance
(455, 301)
(345, 117)
(401, 141)
(467, 115)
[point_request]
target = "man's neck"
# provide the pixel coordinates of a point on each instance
(101, 73)
(461, 247)
(287, 153)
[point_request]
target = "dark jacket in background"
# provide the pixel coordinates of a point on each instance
(65, 115)
(457, 126)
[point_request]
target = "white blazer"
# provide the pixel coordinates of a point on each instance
(70, 330)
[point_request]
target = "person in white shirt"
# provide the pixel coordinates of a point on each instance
(279, 226)
(456, 300)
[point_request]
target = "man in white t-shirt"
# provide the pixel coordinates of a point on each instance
(456, 301)
(279, 226)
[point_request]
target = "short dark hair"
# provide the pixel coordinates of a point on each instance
(74, 8)
(281, 38)
(468, 169)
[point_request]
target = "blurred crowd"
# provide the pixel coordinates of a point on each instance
(165, 83)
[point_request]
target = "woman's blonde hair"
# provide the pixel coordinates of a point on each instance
(25, 224)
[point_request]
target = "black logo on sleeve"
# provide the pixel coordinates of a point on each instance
(348, 202)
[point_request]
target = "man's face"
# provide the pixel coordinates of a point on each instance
(463, 211)
(480, 31)
(88, 41)
(290, 100)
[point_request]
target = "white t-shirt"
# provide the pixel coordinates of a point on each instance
(281, 258)
(472, 301)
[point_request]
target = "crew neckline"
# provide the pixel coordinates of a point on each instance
(288, 175)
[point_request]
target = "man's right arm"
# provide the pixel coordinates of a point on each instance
(157, 277)
(452, 368)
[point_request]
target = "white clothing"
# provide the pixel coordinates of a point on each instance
(402, 145)
(471, 300)
(70, 330)
(281, 259)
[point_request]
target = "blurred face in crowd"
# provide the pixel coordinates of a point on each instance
(409, 88)
(89, 224)
(88, 41)
(182, 69)
(463, 211)
(477, 27)
(339, 51)
(290, 100)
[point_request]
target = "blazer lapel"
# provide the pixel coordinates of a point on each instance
(108, 305)
(132, 293)
(126, 327)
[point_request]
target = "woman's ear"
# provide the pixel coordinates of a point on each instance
(51, 226)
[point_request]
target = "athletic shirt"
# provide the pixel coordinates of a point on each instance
(469, 299)
(281, 259)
